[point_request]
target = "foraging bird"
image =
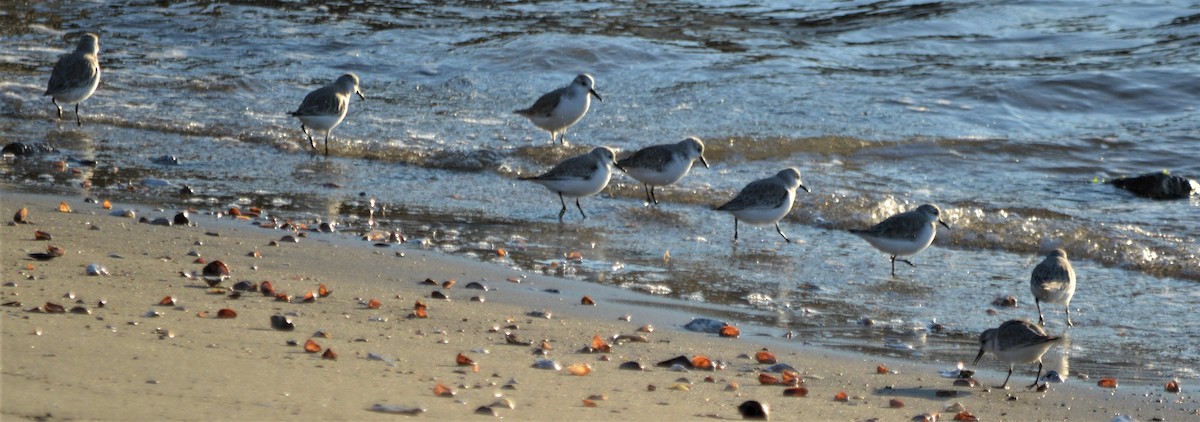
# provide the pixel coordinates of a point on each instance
(904, 234)
(579, 176)
(765, 201)
(557, 110)
(1016, 341)
(76, 75)
(1053, 281)
(325, 108)
(661, 165)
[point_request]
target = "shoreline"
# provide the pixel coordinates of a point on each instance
(204, 368)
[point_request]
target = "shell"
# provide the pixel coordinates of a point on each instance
(96, 269)
(754, 410)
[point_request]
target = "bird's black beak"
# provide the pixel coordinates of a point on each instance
(805, 189)
(947, 226)
(593, 92)
(978, 357)
(703, 161)
(364, 98)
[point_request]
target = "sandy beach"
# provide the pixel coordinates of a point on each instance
(135, 359)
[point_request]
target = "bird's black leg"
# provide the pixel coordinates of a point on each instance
(1037, 378)
(781, 233)
(55, 101)
(564, 208)
(78, 119)
(1041, 319)
(580, 209)
(735, 229)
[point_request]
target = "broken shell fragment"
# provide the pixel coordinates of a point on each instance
(41, 235)
(463, 360)
(753, 410)
(579, 369)
(22, 216)
(881, 369)
(587, 300)
(441, 390)
(631, 366)
(964, 416)
(167, 301)
(96, 269)
(329, 354)
(396, 409)
(282, 323)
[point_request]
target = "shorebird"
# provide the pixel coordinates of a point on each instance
(661, 165)
(1016, 341)
(557, 110)
(1053, 281)
(765, 201)
(325, 108)
(76, 75)
(904, 234)
(579, 176)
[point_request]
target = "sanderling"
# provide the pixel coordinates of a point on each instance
(904, 234)
(1053, 281)
(324, 108)
(579, 176)
(661, 165)
(765, 201)
(1016, 341)
(76, 75)
(557, 110)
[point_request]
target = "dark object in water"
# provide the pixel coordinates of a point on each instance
(27, 148)
(1157, 186)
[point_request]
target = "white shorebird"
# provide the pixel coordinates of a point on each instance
(904, 234)
(765, 201)
(325, 108)
(579, 176)
(1053, 281)
(661, 165)
(557, 110)
(1016, 341)
(76, 75)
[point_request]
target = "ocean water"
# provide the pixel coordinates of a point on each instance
(1009, 115)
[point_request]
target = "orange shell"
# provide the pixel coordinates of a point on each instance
(441, 390)
(599, 344)
(374, 304)
(311, 346)
(586, 402)
(1107, 382)
(579, 369)
(767, 379)
(226, 313)
(329, 354)
(167, 301)
(881, 369)
(107, 205)
(63, 207)
(766, 357)
(323, 291)
(730, 331)
(965, 416)
(702, 362)
(796, 392)
(463, 360)
(841, 396)
(1172, 386)
(587, 300)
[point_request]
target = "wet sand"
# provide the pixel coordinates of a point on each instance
(118, 363)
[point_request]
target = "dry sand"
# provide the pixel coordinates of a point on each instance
(119, 364)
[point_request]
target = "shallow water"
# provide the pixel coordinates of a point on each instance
(1007, 116)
